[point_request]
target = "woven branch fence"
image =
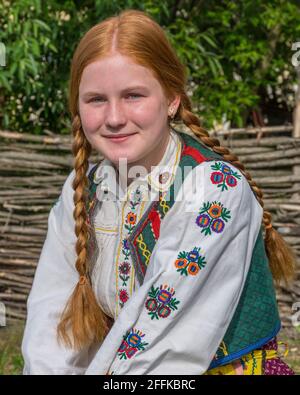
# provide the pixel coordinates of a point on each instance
(34, 168)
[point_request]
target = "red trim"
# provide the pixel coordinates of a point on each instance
(194, 153)
(155, 221)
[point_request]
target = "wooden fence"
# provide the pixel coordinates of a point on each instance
(33, 169)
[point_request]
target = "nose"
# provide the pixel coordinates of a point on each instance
(115, 115)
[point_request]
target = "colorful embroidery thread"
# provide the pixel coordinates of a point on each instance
(131, 344)
(190, 263)
(225, 177)
(124, 268)
(161, 302)
(214, 219)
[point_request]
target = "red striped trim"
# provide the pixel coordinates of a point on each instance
(194, 153)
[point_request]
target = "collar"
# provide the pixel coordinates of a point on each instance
(159, 178)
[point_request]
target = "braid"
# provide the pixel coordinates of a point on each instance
(81, 151)
(281, 257)
(82, 314)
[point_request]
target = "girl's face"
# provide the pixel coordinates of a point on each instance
(118, 97)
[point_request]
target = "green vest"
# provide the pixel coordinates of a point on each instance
(256, 319)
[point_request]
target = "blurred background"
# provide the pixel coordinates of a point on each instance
(243, 64)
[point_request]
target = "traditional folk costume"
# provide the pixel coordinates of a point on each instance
(178, 262)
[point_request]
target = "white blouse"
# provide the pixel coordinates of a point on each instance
(111, 224)
(174, 322)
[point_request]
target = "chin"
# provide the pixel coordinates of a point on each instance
(130, 156)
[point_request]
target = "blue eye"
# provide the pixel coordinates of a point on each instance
(100, 99)
(96, 99)
(134, 94)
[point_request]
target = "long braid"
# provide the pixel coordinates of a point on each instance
(282, 259)
(81, 150)
(82, 314)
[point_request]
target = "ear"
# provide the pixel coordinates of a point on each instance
(174, 103)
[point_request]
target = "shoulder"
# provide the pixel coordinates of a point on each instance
(217, 181)
(220, 177)
(67, 187)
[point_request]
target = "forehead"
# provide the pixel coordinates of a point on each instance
(115, 73)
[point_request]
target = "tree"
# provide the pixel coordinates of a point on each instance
(238, 55)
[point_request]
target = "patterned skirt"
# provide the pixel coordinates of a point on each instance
(262, 361)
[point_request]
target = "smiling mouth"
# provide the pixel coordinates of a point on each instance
(120, 137)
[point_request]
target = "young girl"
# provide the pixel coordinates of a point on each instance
(155, 260)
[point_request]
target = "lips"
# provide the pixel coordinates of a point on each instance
(115, 136)
(119, 137)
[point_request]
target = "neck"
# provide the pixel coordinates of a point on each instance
(152, 159)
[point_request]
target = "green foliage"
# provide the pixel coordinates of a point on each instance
(235, 53)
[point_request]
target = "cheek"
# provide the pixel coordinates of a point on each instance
(90, 118)
(147, 113)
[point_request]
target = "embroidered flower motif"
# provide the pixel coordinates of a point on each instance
(225, 177)
(124, 270)
(131, 218)
(125, 248)
(130, 221)
(136, 198)
(123, 295)
(131, 344)
(215, 218)
(161, 302)
(215, 211)
(190, 263)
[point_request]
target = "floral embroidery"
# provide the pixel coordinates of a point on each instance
(131, 344)
(124, 268)
(125, 249)
(130, 221)
(136, 198)
(225, 177)
(123, 296)
(190, 263)
(161, 302)
(215, 218)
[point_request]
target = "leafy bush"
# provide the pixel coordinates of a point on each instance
(238, 55)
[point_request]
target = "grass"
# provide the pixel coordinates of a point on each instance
(292, 339)
(11, 361)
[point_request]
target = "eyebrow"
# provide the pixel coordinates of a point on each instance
(131, 88)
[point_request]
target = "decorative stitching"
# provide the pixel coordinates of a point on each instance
(131, 344)
(224, 177)
(214, 219)
(190, 263)
(125, 271)
(161, 302)
(145, 252)
(106, 230)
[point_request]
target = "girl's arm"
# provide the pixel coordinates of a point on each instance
(54, 281)
(174, 323)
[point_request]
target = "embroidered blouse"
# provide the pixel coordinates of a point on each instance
(174, 322)
(120, 210)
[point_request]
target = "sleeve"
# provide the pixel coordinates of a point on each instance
(176, 320)
(54, 281)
